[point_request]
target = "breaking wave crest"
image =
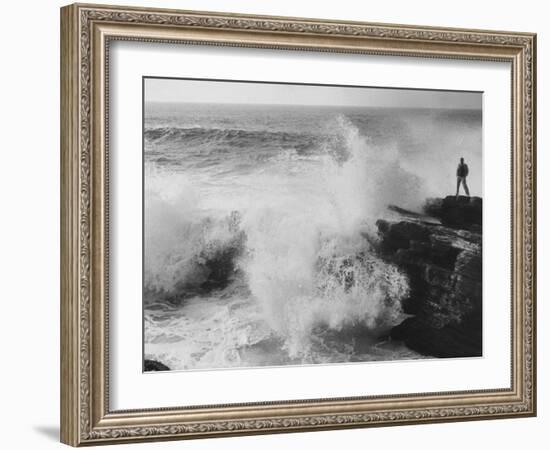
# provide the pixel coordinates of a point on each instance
(298, 252)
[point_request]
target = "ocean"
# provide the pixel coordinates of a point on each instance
(259, 222)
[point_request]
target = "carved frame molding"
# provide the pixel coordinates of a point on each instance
(86, 32)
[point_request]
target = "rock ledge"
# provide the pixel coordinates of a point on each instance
(443, 262)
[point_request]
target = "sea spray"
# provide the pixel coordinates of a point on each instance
(309, 264)
(186, 249)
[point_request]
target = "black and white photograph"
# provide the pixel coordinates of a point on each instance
(297, 224)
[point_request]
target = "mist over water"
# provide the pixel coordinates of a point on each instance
(256, 220)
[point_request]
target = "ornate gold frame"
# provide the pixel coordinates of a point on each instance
(86, 31)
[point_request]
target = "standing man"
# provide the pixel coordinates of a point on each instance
(461, 174)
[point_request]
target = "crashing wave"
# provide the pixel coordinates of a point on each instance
(301, 252)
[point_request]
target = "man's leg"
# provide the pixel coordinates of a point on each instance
(465, 186)
(457, 186)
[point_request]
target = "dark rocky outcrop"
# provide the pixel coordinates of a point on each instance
(444, 266)
(458, 212)
(150, 365)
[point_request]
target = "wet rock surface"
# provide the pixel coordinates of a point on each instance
(150, 365)
(458, 212)
(443, 261)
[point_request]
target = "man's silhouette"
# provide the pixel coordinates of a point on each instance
(461, 174)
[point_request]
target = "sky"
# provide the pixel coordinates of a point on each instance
(206, 91)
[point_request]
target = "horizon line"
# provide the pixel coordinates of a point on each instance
(171, 102)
